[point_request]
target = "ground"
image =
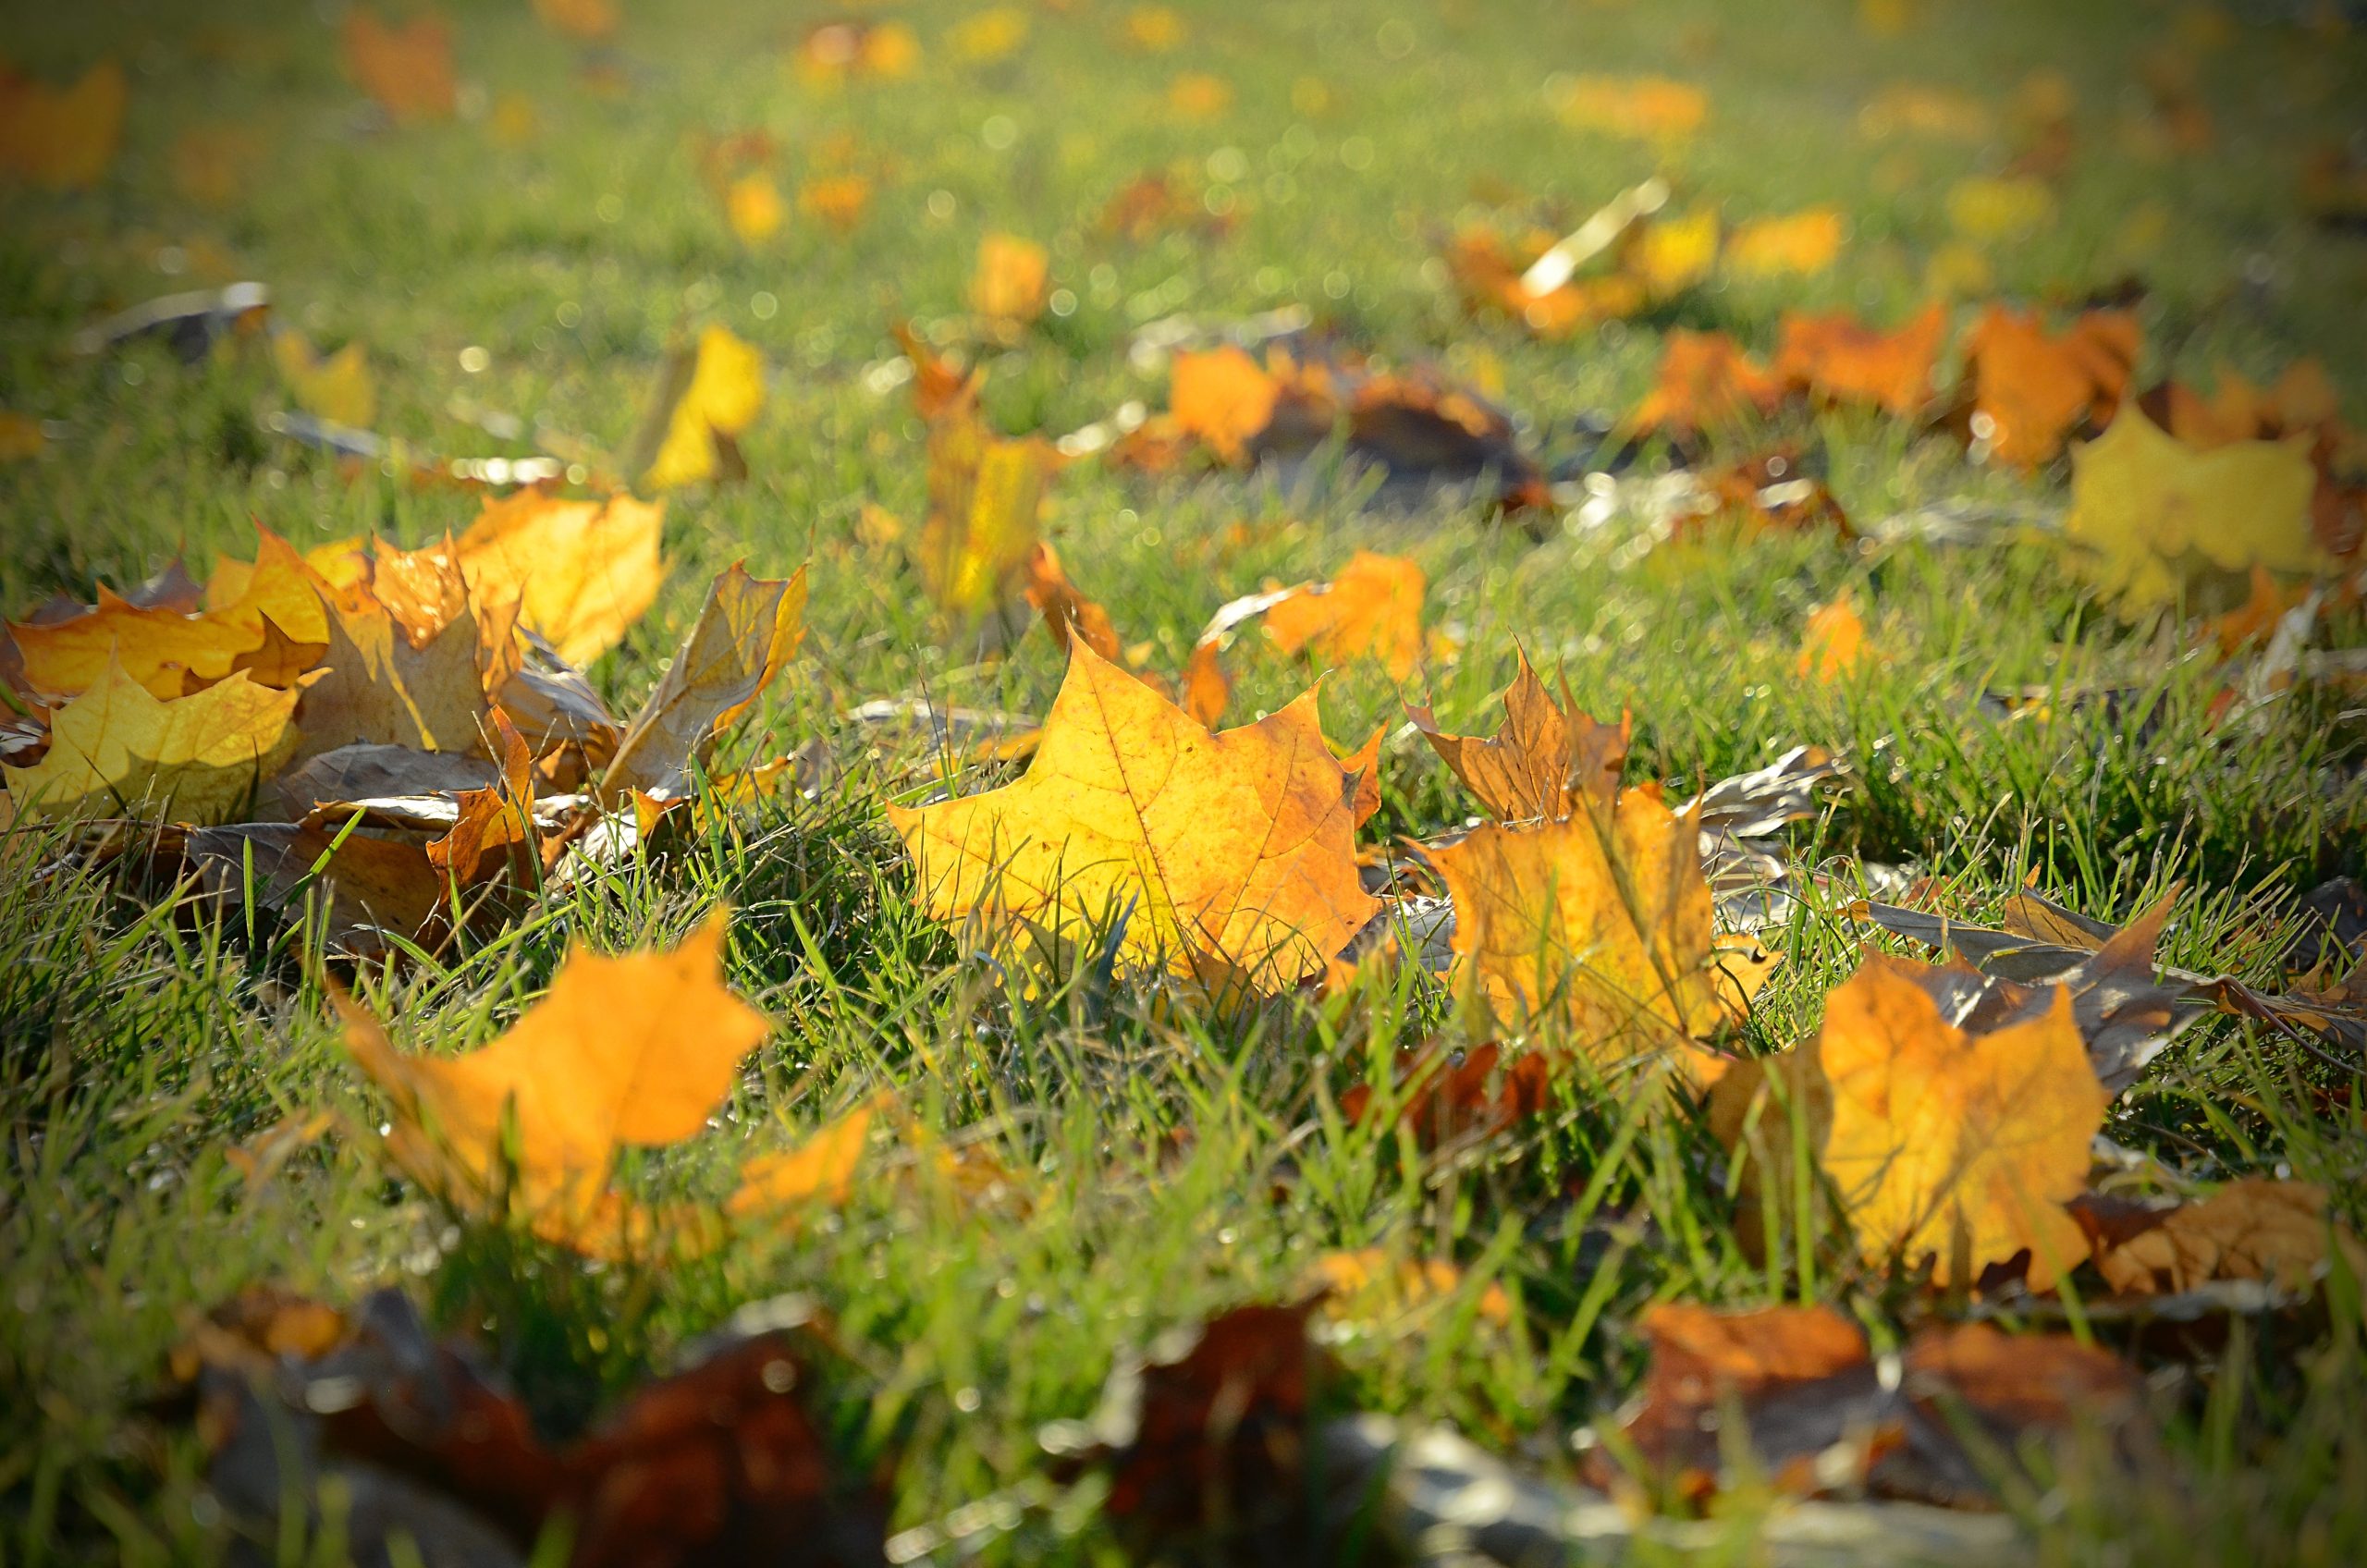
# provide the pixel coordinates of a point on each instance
(545, 274)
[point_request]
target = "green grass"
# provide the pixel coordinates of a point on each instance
(139, 1041)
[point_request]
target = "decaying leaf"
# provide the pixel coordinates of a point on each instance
(118, 750)
(636, 1050)
(1226, 855)
(399, 670)
(372, 893)
(2156, 518)
(1546, 760)
(747, 629)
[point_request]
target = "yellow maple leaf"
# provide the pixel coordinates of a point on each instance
(1227, 854)
(62, 138)
(1600, 924)
(337, 387)
(2156, 517)
(1796, 245)
(720, 399)
(1371, 606)
(1957, 1147)
(984, 495)
(117, 750)
(1672, 255)
(1546, 760)
(1832, 644)
(582, 571)
(747, 629)
(1008, 287)
(283, 584)
(637, 1050)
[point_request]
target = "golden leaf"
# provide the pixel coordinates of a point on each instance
(1796, 245)
(1547, 760)
(751, 205)
(162, 650)
(989, 35)
(1226, 851)
(818, 1172)
(2156, 517)
(62, 138)
(339, 388)
(382, 684)
(1372, 607)
(633, 1051)
(1222, 397)
(1008, 288)
(1600, 924)
(407, 70)
(494, 820)
(1832, 644)
(1372, 1280)
(118, 750)
(747, 629)
(2254, 1229)
(583, 572)
(984, 493)
(1650, 108)
(1948, 1144)
(721, 398)
(1672, 255)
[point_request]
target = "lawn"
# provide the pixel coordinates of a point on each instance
(1079, 1153)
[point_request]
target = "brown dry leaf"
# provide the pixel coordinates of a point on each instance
(2031, 391)
(406, 68)
(1600, 924)
(1959, 1147)
(1011, 282)
(1372, 607)
(1796, 245)
(62, 137)
(118, 750)
(1837, 359)
(2281, 1232)
(1068, 613)
(984, 495)
(632, 1051)
(1546, 760)
(582, 572)
(1230, 854)
(1706, 381)
(371, 894)
(747, 629)
(1223, 399)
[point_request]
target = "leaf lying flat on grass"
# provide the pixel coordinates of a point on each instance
(117, 750)
(1229, 854)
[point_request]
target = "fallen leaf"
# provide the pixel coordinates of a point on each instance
(2156, 519)
(633, 1051)
(751, 205)
(1234, 850)
(1915, 109)
(591, 21)
(1797, 245)
(583, 572)
(381, 684)
(711, 403)
(1445, 1100)
(818, 1173)
(990, 35)
(1832, 644)
(370, 895)
(746, 631)
(839, 201)
(406, 68)
(1154, 29)
(497, 820)
(2030, 389)
(1223, 398)
(1372, 607)
(62, 137)
(832, 52)
(118, 750)
(279, 661)
(1546, 760)
(337, 387)
(1988, 208)
(984, 493)
(1011, 285)
(2281, 1232)
(1667, 255)
(1957, 1147)
(1370, 1282)
(1648, 108)
(1705, 381)
(21, 437)
(1066, 612)
(1197, 96)
(1838, 359)
(941, 388)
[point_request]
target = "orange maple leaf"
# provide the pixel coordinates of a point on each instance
(1706, 381)
(1546, 760)
(2031, 390)
(1068, 613)
(1009, 288)
(1229, 855)
(633, 1051)
(408, 69)
(1838, 359)
(1223, 398)
(1372, 607)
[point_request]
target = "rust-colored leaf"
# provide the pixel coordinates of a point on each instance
(1546, 759)
(1706, 381)
(1068, 613)
(1838, 359)
(2031, 390)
